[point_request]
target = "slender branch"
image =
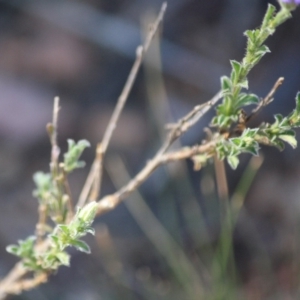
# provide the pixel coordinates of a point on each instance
(111, 201)
(189, 120)
(268, 99)
(52, 132)
(40, 226)
(140, 53)
(16, 287)
(95, 187)
(88, 184)
(16, 273)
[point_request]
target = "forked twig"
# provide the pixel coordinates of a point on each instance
(189, 120)
(268, 99)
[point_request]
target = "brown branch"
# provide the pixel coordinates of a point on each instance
(11, 278)
(52, 132)
(109, 202)
(140, 53)
(189, 120)
(16, 287)
(96, 183)
(268, 99)
(88, 183)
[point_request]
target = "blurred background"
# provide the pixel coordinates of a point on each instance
(82, 51)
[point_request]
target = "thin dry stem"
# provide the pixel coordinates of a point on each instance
(140, 53)
(18, 287)
(111, 201)
(11, 278)
(52, 132)
(187, 122)
(40, 226)
(95, 187)
(88, 184)
(268, 99)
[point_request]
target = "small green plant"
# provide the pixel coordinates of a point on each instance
(59, 227)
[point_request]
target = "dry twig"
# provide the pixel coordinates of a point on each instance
(268, 99)
(97, 168)
(52, 132)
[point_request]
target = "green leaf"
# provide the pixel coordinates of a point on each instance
(236, 141)
(246, 99)
(233, 161)
(72, 156)
(289, 139)
(253, 149)
(298, 102)
(268, 15)
(13, 249)
(64, 258)
(250, 132)
(88, 212)
(262, 50)
(50, 260)
(90, 230)
(25, 248)
(243, 84)
(43, 182)
(294, 117)
(251, 35)
(81, 246)
(236, 70)
(278, 119)
(54, 239)
(64, 228)
(279, 144)
(226, 85)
